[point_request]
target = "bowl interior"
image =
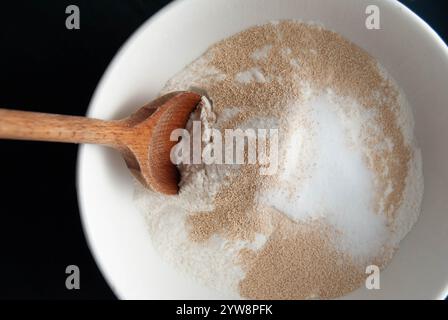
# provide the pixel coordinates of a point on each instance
(413, 54)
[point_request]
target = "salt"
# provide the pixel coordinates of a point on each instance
(339, 186)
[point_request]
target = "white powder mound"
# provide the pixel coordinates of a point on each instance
(338, 186)
(253, 74)
(322, 175)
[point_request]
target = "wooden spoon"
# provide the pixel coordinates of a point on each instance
(143, 138)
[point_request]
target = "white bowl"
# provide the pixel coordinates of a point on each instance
(411, 51)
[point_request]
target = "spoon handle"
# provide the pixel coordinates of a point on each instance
(23, 125)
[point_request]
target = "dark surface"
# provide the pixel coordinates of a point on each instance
(45, 67)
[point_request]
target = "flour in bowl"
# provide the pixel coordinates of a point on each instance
(349, 182)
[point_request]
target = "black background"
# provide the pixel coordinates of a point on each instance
(45, 67)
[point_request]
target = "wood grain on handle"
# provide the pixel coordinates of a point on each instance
(143, 138)
(23, 125)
